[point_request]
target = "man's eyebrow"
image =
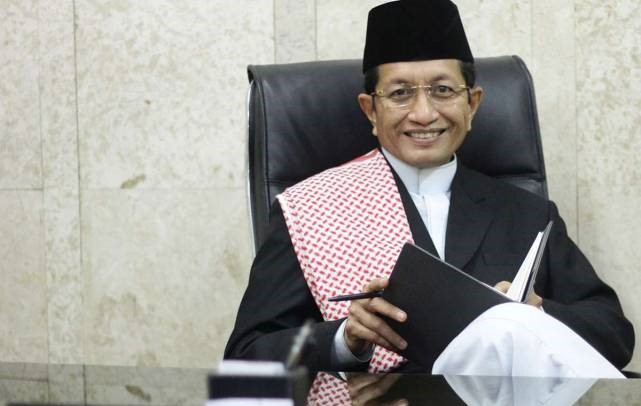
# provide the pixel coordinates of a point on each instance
(442, 77)
(400, 81)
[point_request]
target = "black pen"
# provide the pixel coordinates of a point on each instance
(357, 296)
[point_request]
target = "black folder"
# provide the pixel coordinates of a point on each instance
(440, 301)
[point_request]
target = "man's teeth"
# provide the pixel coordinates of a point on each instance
(424, 135)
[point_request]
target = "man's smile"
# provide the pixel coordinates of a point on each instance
(425, 134)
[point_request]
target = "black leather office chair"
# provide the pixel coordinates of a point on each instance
(304, 118)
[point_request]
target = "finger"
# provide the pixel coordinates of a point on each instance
(376, 284)
(373, 328)
(388, 381)
(502, 286)
(385, 308)
(367, 395)
(534, 300)
(353, 339)
(360, 379)
(357, 382)
(357, 331)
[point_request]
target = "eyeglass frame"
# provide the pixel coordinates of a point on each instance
(457, 91)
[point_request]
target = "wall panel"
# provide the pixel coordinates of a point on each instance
(20, 146)
(609, 138)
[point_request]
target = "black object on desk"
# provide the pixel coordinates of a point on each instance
(292, 384)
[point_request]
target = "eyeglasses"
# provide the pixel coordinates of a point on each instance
(404, 95)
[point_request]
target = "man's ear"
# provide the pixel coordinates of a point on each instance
(366, 102)
(476, 96)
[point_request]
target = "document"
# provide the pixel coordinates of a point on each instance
(441, 300)
(523, 283)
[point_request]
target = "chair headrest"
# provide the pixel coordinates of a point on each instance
(304, 118)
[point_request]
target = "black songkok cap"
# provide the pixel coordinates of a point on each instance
(415, 30)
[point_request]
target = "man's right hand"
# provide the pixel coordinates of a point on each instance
(364, 325)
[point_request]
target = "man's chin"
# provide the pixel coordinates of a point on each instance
(422, 160)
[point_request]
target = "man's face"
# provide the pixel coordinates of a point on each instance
(424, 133)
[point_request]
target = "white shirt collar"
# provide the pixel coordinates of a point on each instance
(424, 181)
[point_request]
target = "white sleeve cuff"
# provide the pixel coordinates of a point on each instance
(343, 356)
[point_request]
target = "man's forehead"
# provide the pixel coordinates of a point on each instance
(418, 71)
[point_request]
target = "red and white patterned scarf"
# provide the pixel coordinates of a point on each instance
(348, 226)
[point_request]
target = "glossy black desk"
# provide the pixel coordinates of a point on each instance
(43, 384)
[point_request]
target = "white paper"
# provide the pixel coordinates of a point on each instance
(519, 284)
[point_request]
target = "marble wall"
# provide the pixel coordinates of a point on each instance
(124, 237)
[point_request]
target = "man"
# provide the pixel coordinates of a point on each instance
(344, 228)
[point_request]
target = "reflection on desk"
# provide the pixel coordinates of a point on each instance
(43, 384)
(418, 389)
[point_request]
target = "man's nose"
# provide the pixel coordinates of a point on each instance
(422, 109)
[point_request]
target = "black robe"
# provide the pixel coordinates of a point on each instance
(490, 228)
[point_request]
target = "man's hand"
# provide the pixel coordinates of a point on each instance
(365, 389)
(533, 299)
(364, 325)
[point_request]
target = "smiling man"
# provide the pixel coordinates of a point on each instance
(426, 110)
(341, 231)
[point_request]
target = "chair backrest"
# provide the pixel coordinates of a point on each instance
(304, 118)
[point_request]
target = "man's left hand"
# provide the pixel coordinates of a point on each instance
(533, 299)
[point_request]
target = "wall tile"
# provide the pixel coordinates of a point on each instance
(609, 138)
(60, 176)
(65, 279)
(161, 90)
(58, 94)
(609, 225)
(22, 391)
(498, 27)
(23, 303)
(295, 30)
(21, 382)
(20, 153)
(27, 382)
(165, 273)
(340, 28)
(167, 386)
(609, 54)
(553, 72)
(66, 383)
